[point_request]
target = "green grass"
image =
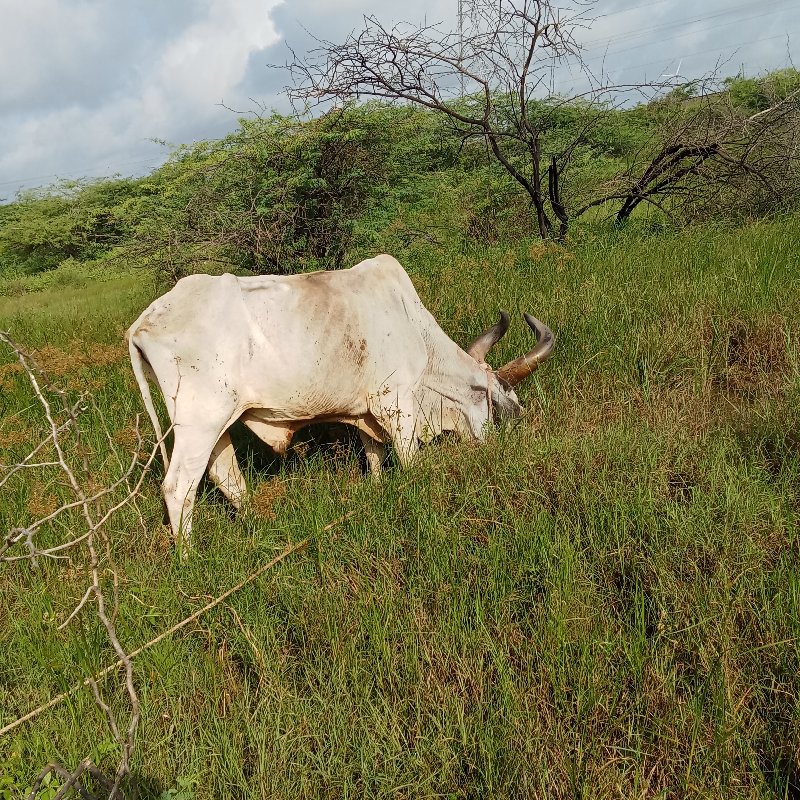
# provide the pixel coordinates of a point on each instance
(601, 601)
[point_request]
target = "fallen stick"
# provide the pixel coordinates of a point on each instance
(183, 623)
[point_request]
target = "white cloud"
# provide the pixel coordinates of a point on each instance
(45, 42)
(209, 59)
(175, 96)
(93, 80)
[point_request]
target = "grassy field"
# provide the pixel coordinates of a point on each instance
(602, 601)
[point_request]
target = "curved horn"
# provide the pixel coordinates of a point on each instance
(486, 341)
(520, 368)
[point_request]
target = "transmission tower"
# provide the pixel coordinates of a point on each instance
(461, 41)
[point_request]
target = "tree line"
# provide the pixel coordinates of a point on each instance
(283, 194)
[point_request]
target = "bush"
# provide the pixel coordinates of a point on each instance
(278, 195)
(72, 220)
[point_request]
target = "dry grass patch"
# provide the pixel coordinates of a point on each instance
(267, 495)
(41, 501)
(756, 357)
(14, 435)
(78, 356)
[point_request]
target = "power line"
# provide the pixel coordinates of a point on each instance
(632, 8)
(599, 44)
(575, 87)
(711, 50)
(676, 36)
(78, 172)
(704, 52)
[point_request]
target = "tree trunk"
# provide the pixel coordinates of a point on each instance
(545, 226)
(555, 200)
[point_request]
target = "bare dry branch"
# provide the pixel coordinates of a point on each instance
(293, 548)
(62, 419)
(72, 781)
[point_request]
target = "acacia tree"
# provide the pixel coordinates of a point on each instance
(493, 80)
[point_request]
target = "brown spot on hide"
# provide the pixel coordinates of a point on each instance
(357, 351)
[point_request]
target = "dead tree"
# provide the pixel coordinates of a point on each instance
(494, 80)
(708, 156)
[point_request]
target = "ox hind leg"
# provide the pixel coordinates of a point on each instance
(191, 454)
(278, 435)
(223, 469)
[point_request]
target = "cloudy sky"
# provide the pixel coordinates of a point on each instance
(97, 87)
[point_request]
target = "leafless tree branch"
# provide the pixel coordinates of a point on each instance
(706, 149)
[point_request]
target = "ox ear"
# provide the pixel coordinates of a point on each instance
(520, 368)
(487, 340)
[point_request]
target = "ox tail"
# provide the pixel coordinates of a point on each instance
(140, 365)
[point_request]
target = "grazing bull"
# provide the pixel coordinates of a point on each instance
(279, 353)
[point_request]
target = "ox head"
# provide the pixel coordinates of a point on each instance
(499, 400)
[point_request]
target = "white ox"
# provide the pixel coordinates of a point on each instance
(354, 346)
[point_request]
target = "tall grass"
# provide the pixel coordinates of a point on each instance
(601, 601)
